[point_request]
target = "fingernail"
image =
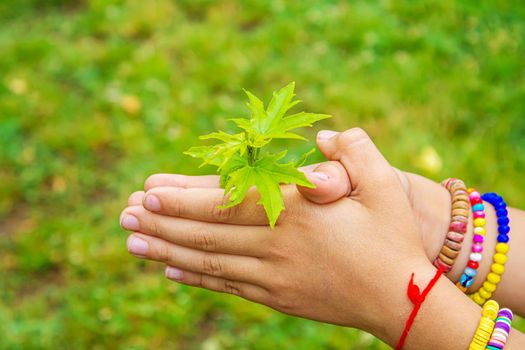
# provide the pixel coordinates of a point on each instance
(318, 176)
(173, 273)
(129, 222)
(137, 246)
(152, 203)
(326, 134)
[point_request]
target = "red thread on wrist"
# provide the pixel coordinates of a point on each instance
(417, 299)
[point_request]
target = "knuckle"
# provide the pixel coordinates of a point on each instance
(164, 253)
(155, 228)
(204, 240)
(222, 215)
(231, 287)
(285, 302)
(352, 136)
(278, 284)
(175, 205)
(151, 181)
(212, 265)
(135, 198)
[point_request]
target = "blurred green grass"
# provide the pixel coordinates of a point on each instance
(96, 95)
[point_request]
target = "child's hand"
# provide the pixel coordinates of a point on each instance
(337, 262)
(429, 201)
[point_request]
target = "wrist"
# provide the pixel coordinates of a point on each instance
(431, 205)
(456, 324)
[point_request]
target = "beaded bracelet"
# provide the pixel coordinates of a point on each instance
(502, 247)
(485, 326)
(502, 328)
(478, 211)
(458, 224)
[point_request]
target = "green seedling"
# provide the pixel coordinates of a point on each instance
(239, 157)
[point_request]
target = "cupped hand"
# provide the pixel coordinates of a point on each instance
(335, 262)
(430, 202)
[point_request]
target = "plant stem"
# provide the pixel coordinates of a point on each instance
(253, 154)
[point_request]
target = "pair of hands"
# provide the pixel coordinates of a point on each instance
(335, 254)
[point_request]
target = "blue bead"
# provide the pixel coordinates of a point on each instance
(489, 196)
(478, 207)
(466, 281)
(500, 205)
(503, 238)
(470, 272)
(502, 212)
(503, 221)
(503, 229)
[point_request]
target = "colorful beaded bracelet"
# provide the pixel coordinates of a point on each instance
(502, 328)
(458, 224)
(478, 211)
(485, 326)
(502, 247)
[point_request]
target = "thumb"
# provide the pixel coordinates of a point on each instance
(369, 172)
(330, 180)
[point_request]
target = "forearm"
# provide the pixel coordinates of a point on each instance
(432, 204)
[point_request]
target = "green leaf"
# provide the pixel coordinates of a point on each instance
(223, 136)
(237, 185)
(256, 106)
(243, 123)
(231, 165)
(299, 162)
(218, 154)
(238, 156)
(296, 121)
(288, 135)
(271, 196)
(270, 175)
(205, 152)
(283, 173)
(280, 104)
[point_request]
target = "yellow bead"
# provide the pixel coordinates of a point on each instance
(477, 298)
(486, 325)
(479, 231)
(500, 258)
(493, 278)
(484, 293)
(491, 307)
(502, 248)
(482, 334)
(476, 346)
(479, 222)
(497, 268)
(489, 287)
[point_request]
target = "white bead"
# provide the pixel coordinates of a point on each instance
(475, 257)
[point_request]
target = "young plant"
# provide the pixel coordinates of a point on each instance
(241, 163)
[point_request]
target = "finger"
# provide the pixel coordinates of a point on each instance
(233, 267)
(244, 290)
(179, 180)
(206, 236)
(369, 172)
(136, 198)
(309, 168)
(203, 204)
(331, 183)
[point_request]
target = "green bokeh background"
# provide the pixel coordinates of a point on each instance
(96, 95)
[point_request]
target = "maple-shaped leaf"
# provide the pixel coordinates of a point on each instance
(218, 154)
(272, 123)
(238, 156)
(295, 121)
(266, 174)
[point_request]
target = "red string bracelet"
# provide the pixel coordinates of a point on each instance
(417, 298)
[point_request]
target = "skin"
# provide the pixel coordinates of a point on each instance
(331, 256)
